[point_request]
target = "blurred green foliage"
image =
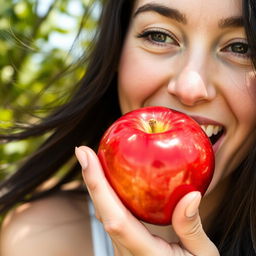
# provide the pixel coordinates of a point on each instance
(36, 46)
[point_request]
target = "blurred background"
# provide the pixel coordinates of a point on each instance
(42, 46)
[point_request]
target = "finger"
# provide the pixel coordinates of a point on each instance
(99, 189)
(121, 225)
(187, 224)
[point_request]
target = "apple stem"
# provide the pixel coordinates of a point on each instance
(152, 124)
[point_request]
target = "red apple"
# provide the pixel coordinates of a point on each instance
(152, 157)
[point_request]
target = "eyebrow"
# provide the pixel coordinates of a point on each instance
(234, 22)
(162, 10)
(231, 22)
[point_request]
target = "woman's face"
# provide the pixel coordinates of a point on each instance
(192, 56)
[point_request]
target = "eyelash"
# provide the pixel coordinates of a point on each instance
(147, 35)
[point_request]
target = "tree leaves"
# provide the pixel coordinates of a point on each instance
(35, 39)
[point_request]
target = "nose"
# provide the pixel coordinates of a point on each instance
(191, 88)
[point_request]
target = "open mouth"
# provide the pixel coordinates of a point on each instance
(214, 132)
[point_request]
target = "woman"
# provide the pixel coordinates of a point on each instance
(190, 56)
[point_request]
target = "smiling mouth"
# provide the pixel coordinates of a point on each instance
(214, 132)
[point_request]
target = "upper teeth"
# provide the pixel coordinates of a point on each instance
(211, 129)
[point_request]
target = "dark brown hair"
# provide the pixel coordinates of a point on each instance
(94, 105)
(82, 120)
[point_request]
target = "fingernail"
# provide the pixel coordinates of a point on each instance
(81, 157)
(192, 210)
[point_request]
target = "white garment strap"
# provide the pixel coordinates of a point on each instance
(102, 245)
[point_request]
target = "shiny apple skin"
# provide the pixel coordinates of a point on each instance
(151, 172)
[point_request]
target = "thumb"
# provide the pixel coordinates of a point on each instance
(188, 226)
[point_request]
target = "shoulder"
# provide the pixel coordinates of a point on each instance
(56, 225)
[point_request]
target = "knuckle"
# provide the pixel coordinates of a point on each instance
(194, 231)
(92, 185)
(115, 226)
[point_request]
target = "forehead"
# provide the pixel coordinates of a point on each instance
(203, 9)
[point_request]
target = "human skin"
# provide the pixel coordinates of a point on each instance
(195, 61)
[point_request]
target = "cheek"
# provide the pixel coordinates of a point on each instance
(242, 132)
(251, 85)
(243, 100)
(139, 76)
(237, 88)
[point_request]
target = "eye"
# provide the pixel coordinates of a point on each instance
(158, 37)
(239, 49)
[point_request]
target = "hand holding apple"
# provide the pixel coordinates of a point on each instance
(152, 157)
